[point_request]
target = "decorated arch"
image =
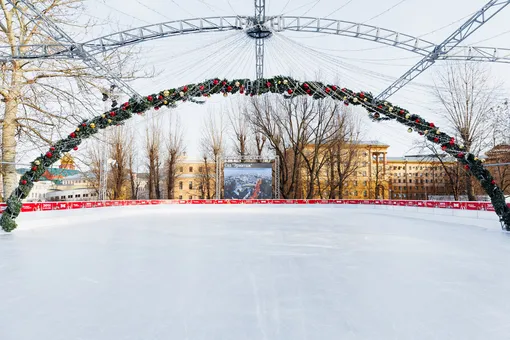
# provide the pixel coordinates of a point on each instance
(286, 86)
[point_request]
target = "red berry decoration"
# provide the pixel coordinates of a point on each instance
(309, 91)
(112, 114)
(466, 167)
(149, 98)
(493, 182)
(215, 81)
(305, 85)
(185, 89)
(160, 97)
(49, 154)
(72, 135)
(401, 112)
(333, 88)
(362, 95)
(289, 91)
(201, 87)
(443, 147)
(460, 155)
(379, 107)
(229, 88)
(75, 148)
(156, 108)
(52, 148)
(224, 83)
(418, 121)
(328, 90)
(436, 140)
(268, 84)
(23, 182)
(452, 141)
(432, 125)
(34, 168)
(84, 124)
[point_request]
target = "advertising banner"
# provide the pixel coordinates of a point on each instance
(248, 181)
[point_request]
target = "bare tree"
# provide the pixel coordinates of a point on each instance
(120, 143)
(153, 157)
(134, 181)
(240, 128)
(343, 154)
(466, 91)
(454, 175)
(175, 150)
(212, 145)
(40, 96)
(269, 122)
(206, 178)
(298, 130)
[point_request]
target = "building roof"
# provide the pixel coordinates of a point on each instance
(371, 142)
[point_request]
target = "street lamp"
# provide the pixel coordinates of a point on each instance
(103, 179)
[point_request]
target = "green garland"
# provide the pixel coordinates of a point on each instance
(378, 110)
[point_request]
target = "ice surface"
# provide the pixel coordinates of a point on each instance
(254, 272)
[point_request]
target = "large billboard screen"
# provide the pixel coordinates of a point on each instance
(248, 180)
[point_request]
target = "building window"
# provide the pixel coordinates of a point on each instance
(200, 169)
(410, 181)
(180, 185)
(180, 197)
(365, 183)
(78, 196)
(190, 169)
(190, 197)
(181, 169)
(69, 196)
(365, 194)
(190, 185)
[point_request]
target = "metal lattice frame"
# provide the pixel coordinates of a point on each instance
(276, 24)
(272, 158)
(476, 21)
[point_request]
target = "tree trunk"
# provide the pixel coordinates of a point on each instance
(470, 188)
(9, 142)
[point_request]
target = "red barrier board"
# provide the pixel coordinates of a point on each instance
(46, 206)
(29, 207)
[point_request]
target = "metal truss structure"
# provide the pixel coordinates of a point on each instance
(269, 159)
(476, 21)
(261, 27)
(64, 40)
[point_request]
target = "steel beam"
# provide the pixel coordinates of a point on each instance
(442, 50)
(276, 24)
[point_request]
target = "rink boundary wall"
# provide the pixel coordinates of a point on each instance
(53, 206)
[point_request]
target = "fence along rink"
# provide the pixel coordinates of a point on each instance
(52, 206)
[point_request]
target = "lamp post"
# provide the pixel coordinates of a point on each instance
(103, 189)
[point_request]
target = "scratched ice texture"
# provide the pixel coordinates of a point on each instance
(254, 272)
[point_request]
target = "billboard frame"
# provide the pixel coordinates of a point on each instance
(240, 159)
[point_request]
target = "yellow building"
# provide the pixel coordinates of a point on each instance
(194, 180)
(374, 175)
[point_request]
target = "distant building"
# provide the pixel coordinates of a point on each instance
(64, 183)
(73, 188)
(500, 154)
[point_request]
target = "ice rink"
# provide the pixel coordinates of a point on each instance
(253, 272)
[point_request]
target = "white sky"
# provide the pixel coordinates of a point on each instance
(358, 64)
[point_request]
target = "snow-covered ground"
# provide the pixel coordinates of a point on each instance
(254, 272)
